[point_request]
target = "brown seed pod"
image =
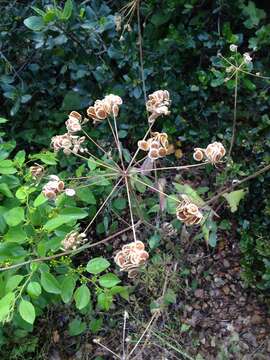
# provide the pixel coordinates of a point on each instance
(198, 154)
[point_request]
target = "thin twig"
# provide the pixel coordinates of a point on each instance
(130, 209)
(102, 206)
(234, 115)
(240, 182)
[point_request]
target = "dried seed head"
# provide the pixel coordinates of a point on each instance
(131, 256)
(68, 143)
(158, 104)
(73, 124)
(143, 145)
(189, 213)
(105, 107)
(215, 152)
(72, 240)
(36, 171)
(198, 154)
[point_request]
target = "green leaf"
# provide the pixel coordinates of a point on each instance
(4, 189)
(39, 200)
(6, 304)
(34, 289)
(13, 282)
(169, 297)
(121, 290)
(38, 11)
(82, 297)
(49, 283)
(16, 234)
(27, 311)
(14, 216)
(104, 301)
(109, 280)
(3, 120)
(76, 327)
(97, 265)
(20, 157)
(34, 23)
(191, 193)
(234, 198)
(67, 288)
(85, 195)
(67, 12)
(65, 216)
(47, 157)
(7, 168)
(120, 203)
(91, 164)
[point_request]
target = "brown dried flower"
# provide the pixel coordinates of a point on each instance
(105, 107)
(157, 146)
(198, 154)
(215, 152)
(131, 256)
(54, 187)
(188, 212)
(73, 124)
(72, 240)
(68, 143)
(158, 104)
(36, 171)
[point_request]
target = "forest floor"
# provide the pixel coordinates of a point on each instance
(214, 315)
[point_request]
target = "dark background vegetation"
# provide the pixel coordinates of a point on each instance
(67, 64)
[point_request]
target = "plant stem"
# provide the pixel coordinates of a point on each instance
(234, 114)
(70, 252)
(231, 187)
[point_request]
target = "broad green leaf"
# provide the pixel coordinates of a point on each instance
(91, 164)
(34, 23)
(14, 216)
(234, 198)
(39, 200)
(67, 12)
(34, 289)
(109, 280)
(191, 193)
(97, 265)
(49, 283)
(65, 216)
(3, 120)
(6, 304)
(67, 288)
(20, 157)
(120, 204)
(13, 282)
(104, 301)
(121, 290)
(47, 157)
(82, 297)
(16, 234)
(76, 327)
(27, 311)
(85, 195)
(4, 189)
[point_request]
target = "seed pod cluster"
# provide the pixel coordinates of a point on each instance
(104, 108)
(213, 153)
(72, 240)
(189, 213)
(131, 257)
(158, 104)
(157, 146)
